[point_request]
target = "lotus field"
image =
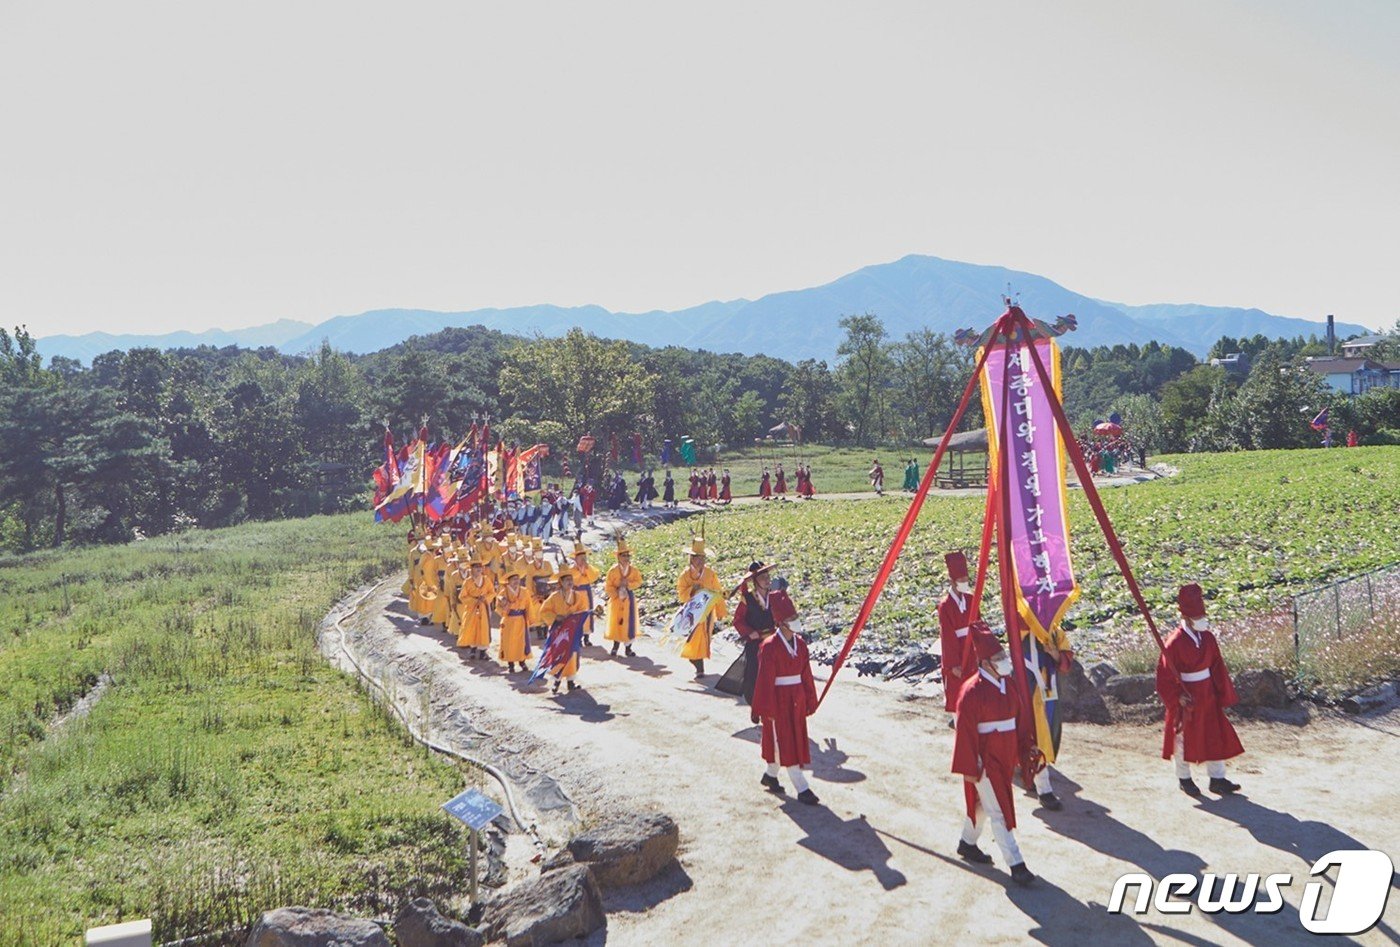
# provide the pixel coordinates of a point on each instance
(1253, 528)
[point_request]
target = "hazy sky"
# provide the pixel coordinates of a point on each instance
(190, 165)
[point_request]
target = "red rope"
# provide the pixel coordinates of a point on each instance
(905, 528)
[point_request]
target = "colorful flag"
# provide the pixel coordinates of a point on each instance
(1039, 500)
(526, 473)
(665, 452)
(565, 638)
(1319, 423)
(400, 499)
(688, 450)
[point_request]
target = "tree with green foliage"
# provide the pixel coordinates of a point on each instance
(863, 371)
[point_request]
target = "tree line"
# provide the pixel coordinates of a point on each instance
(145, 441)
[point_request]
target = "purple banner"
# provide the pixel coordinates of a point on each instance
(1039, 527)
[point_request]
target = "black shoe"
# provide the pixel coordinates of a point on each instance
(971, 853)
(1223, 787)
(1189, 787)
(1051, 801)
(1021, 874)
(555, 688)
(572, 685)
(771, 784)
(699, 668)
(807, 797)
(630, 652)
(587, 641)
(614, 650)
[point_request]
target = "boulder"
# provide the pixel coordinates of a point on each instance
(628, 851)
(420, 925)
(314, 927)
(561, 905)
(1080, 701)
(1131, 688)
(560, 859)
(1261, 688)
(1371, 698)
(1101, 672)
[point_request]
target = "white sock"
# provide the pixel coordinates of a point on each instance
(1215, 769)
(1042, 782)
(799, 782)
(772, 770)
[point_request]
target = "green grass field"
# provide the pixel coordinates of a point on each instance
(229, 768)
(1250, 527)
(834, 469)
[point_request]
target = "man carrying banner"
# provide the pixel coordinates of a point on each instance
(992, 741)
(621, 585)
(584, 577)
(693, 578)
(784, 696)
(1047, 656)
(1195, 687)
(564, 612)
(954, 617)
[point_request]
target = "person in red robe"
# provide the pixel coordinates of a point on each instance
(954, 617)
(765, 485)
(725, 496)
(694, 494)
(712, 485)
(809, 489)
(1195, 687)
(586, 497)
(993, 739)
(780, 487)
(784, 697)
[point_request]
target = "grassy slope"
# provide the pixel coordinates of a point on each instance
(1251, 527)
(229, 768)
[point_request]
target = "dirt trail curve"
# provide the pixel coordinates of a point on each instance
(876, 861)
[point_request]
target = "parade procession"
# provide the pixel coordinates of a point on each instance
(504, 589)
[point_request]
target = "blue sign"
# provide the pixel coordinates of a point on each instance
(474, 808)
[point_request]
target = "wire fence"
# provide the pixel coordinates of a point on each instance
(1345, 609)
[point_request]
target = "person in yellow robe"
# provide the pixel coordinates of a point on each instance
(1047, 656)
(694, 577)
(415, 577)
(444, 606)
(514, 607)
(430, 568)
(477, 594)
(585, 575)
(621, 585)
(541, 577)
(452, 589)
(564, 602)
(411, 561)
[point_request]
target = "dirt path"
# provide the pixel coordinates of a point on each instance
(876, 861)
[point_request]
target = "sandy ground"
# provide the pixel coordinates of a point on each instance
(876, 860)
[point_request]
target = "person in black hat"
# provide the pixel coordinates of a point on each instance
(761, 609)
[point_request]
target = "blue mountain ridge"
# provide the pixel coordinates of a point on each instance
(911, 293)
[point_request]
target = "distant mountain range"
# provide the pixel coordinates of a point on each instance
(912, 293)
